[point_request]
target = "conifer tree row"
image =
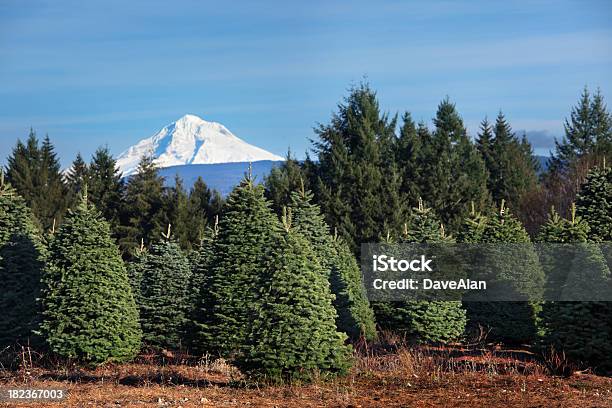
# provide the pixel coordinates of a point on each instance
(22, 255)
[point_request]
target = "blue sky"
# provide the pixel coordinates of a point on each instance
(92, 73)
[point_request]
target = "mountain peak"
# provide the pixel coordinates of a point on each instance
(192, 140)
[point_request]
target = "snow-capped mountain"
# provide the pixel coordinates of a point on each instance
(192, 140)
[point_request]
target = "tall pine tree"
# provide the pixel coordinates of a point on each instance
(106, 186)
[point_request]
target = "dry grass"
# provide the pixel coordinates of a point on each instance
(386, 376)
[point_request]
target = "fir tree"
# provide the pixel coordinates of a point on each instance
(294, 335)
(34, 171)
(199, 299)
(516, 265)
(438, 321)
(594, 203)
(284, 180)
(76, 178)
(581, 330)
(21, 264)
(163, 293)
(246, 230)
(509, 163)
(89, 313)
(106, 187)
(142, 208)
(588, 131)
(357, 169)
(354, 314)
(454, 174)
(176, 208)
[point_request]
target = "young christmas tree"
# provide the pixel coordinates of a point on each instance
(517, 266)
(340, 267)
(21, 264)
(581, 330)
(89, 313)
(594, 203)
(294, 336)
(438, 321)
(199, 299)
(247, 227)
(163, 293)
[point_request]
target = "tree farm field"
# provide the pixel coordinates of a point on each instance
(388, 375)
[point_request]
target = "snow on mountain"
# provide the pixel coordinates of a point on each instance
(192, 140)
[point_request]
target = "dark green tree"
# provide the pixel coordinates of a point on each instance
(581, 330)
(293, 336)
(508, 160)
(199, 301)
(284, 180)
(454, 174)
(21, 264)
(438, 321)
(176, 208)
(89, 313)
(34, 171)
(355, 318)
(588, 131)
(142, 208)
(106, 186)
(506, 254)
(594, 203)
(76, 177)
(246, 231)
(163, 297)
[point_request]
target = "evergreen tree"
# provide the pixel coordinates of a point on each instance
(516, 267)
(21, 264)
(163, 293)
(176, 208)
(246, 230)
(339, 266)
(106, 186)
(588, 131)
(453, 172)
(142, 211)
(199, 212)
(34, 171)
(89, 311)
(409, 155)
(199, 300)
(438, 321)
(509, 163)
(284, 180)
(357, 169)
(594, 203)
(294, 336)
(581, 330)
(76, 178)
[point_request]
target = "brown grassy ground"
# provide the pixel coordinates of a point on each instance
(405, 378)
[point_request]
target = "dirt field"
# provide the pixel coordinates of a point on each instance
(406, 378)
